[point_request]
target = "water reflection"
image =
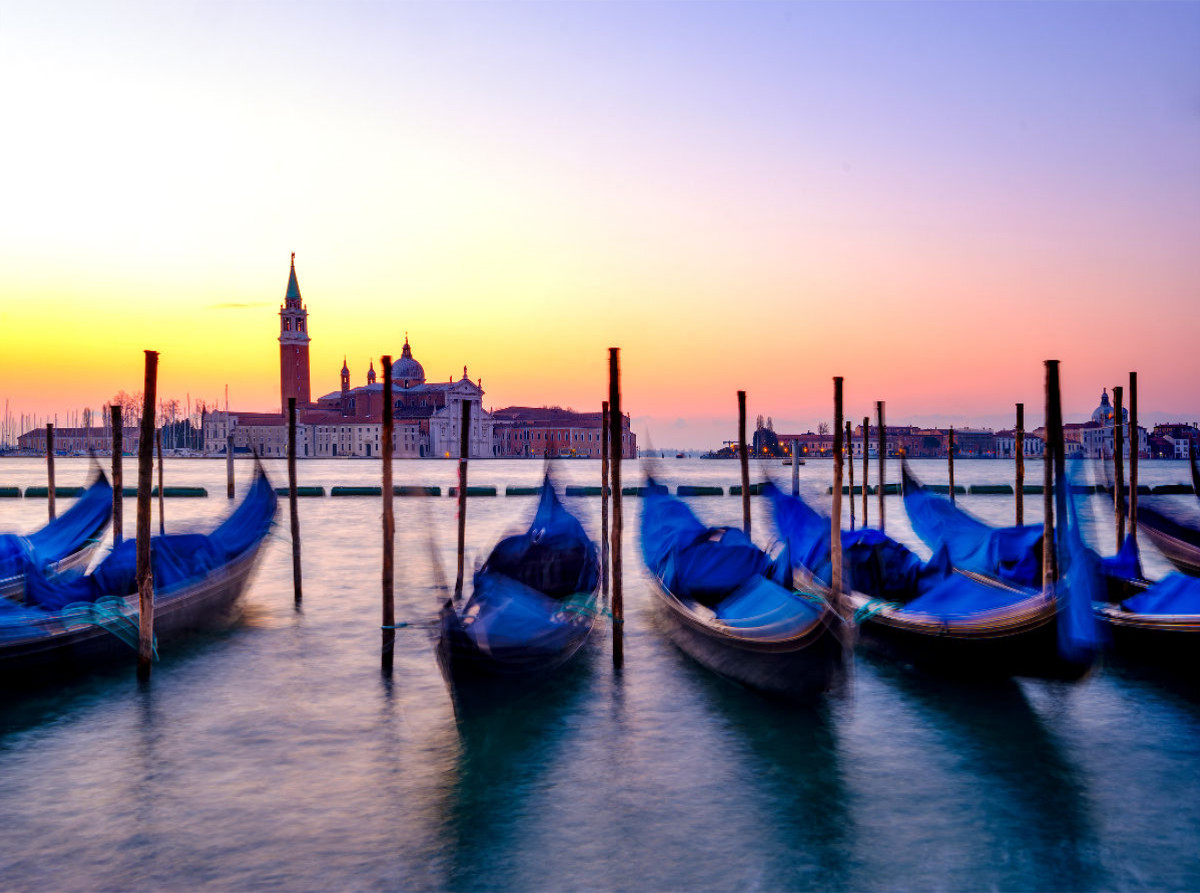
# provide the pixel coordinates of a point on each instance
(1028, 798)
(789, 767)
(509, 736)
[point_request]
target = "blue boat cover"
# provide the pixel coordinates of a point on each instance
(176, 559)
(958, 597)
(693, 561)
(66, 534)
(1174, 594)
(872, 563)
(1011, 554)
(554, 557)
(535, 595)
(719, 567)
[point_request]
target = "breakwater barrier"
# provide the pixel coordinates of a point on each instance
(574, 490)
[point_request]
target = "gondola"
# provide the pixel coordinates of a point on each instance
(534, 604)
(1009, 554)
(936, 615)
(1176, 537)
(1160, 625)
(727, 605)
(65, 543)
(76, 622)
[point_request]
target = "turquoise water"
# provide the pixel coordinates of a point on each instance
(275, 755)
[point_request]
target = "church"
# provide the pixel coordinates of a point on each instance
(427, 416)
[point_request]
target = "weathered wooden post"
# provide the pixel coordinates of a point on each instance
(1134, 445)
(1049, 562)
(950, 460)
(118, 478)
(835, 518)
(293, 509)
(389, 524)
(850, 466)
(50, 469)
(145, 574)
(162, 528)
(866, 440)
(744, 459)
(615, 445)
(1020, 459)
(1060, 463)
(795, 467)
(1119, 464)
(228, 459)
(882, 460)
(604, 494)
(464, 451)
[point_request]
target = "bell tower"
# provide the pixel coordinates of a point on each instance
(293, 346)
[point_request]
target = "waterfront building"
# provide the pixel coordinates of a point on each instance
(1096, 436)
(81, 440)
(535, 432)
(427, 416)
(1033, 446)
(1174, 440)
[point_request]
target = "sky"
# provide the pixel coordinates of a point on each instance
(928, 199)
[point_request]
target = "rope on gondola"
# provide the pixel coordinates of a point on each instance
(110, 614)
(871, 608)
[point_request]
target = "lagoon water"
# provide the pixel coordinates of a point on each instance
(274, 755)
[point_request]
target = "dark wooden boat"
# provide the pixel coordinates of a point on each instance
(66, 543)
(71, 626)
(719, 605)
(1177, 539)
(534, 604)
(937, 616)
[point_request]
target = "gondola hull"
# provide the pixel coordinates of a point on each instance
(1168, 640)
(794, 667)
(1019, 641)
(52, 650)
(465, 661)
(1184, 555)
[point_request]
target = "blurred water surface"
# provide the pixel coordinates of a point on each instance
(275, 755)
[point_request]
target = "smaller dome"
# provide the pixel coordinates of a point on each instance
(406, 369)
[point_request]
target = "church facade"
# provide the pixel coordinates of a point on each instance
(348, 422)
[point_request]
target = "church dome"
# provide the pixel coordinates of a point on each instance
(406, 369)
(1104, 412)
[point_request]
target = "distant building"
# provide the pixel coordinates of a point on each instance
(81, 440)
(536, 432)
(427, 416)
(1174, 440)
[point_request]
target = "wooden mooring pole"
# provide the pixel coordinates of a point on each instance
(1049, 563)
(615, 446)
(293, 509)
(744, 459)
(388, 622)
(795, 467)
(604, 494)
(50, 470)
(118, 477)
(1134, 446)
(866, 441)
(835, 517)
(1020, 460)
(162, 524)
(1119, 464)
(464, 451)
(228, 459)
(850, 467)
(145, 574)
(950, 461)
(882, 460)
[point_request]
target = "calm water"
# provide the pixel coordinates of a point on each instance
(274, 755)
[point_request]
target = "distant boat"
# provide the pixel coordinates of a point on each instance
(533, 606)
(72, 623)
(723, 605)
(680, 456)
(66, 542)
(790, 461)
